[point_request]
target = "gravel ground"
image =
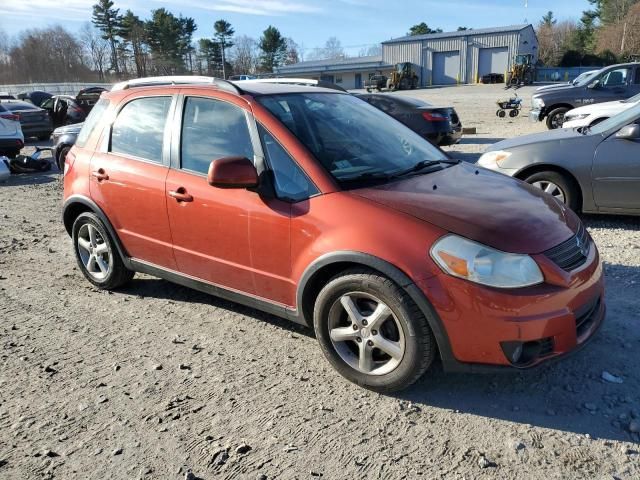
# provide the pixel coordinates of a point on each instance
(154, 380)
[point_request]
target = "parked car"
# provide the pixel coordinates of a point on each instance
(242, 77)
(591, 115)
(64, 110)
(439, 125)
(11, 137)
(63, 138)
(590, 169)
(580, 79)
(293, 200)
(34, 121)
(617, 82)
(37, 97)
(88, 97)
(6, 96)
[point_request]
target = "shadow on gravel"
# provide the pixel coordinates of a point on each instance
(162, 289)
(32, 178)
(623, 222)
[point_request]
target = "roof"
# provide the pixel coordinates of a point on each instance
(349, 63)
(462, 33)
(260, 88)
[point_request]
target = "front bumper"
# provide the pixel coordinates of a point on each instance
(562, 315)
(535, 116)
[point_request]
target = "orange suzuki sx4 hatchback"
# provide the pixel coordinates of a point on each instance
(310, 204)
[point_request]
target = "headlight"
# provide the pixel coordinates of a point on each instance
(580, 116)
(537, 103)
(490, 159)
(478, 263)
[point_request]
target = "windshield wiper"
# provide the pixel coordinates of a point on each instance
(422, 165)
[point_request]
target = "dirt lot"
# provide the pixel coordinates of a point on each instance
(154, 380)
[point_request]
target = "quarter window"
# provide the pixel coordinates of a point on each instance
(138, 130)
(289, 180)
(212, 129)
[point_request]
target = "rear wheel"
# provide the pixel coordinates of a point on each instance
(555, 119)
(96, 253)
(372, 332)
(557, 185)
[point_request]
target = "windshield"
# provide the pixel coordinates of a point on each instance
(632, 115)
(349, 137)
(584, 78)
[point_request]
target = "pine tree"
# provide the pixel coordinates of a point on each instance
(274, 48)
(109, 21)
(224, 33)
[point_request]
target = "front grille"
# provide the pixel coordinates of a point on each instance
(572, 253)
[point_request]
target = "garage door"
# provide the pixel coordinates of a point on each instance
(493, 60)
(446, 67)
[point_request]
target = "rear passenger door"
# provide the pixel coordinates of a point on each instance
(128, 174)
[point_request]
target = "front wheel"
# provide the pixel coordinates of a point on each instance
(558, 186)
(371, 331)
(555, 119)
(96, 253)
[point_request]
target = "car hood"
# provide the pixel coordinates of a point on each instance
(74, 128)
(560, 134)
(484, 206)
(560, 91)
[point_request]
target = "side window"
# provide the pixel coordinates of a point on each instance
(289, 180)
(212, 129)
(92, 121)
(616, 78)
(48, 103)
(637, 79)
(139, 128)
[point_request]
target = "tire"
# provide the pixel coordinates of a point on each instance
(556, 118)
(403, 330)
(568, 188)
(501, 113)
(514, 113)
(61, 157)
(111, 272)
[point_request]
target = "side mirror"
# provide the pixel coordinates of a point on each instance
(232, 172)
(629, 132)
(594, 84)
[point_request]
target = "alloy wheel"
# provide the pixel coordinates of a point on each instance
(550, 188)
(366, 334)
(94, 251)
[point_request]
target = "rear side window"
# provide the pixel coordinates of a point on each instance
(138, 130)
(212, 129)
(91, 122)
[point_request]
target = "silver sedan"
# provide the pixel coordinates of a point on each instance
(593, 170)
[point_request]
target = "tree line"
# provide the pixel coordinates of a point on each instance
(607, 33)
(116, 45)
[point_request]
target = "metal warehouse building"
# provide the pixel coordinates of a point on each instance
(439, 58)
(461, 57)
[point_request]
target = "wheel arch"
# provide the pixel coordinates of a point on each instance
(546, 167)
(327, 266)
(76, 205)
(549, 109)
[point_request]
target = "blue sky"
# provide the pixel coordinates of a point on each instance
(356, 23)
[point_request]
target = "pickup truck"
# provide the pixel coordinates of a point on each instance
(617, 82)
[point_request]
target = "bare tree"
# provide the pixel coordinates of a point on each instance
(553, 40)
(96, 48)
(244, 55)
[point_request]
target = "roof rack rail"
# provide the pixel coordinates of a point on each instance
(178, 80)
(294, 81)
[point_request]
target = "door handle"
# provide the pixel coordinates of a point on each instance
(100, 175)
(181, 195)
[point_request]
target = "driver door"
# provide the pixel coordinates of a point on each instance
(616, 174)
